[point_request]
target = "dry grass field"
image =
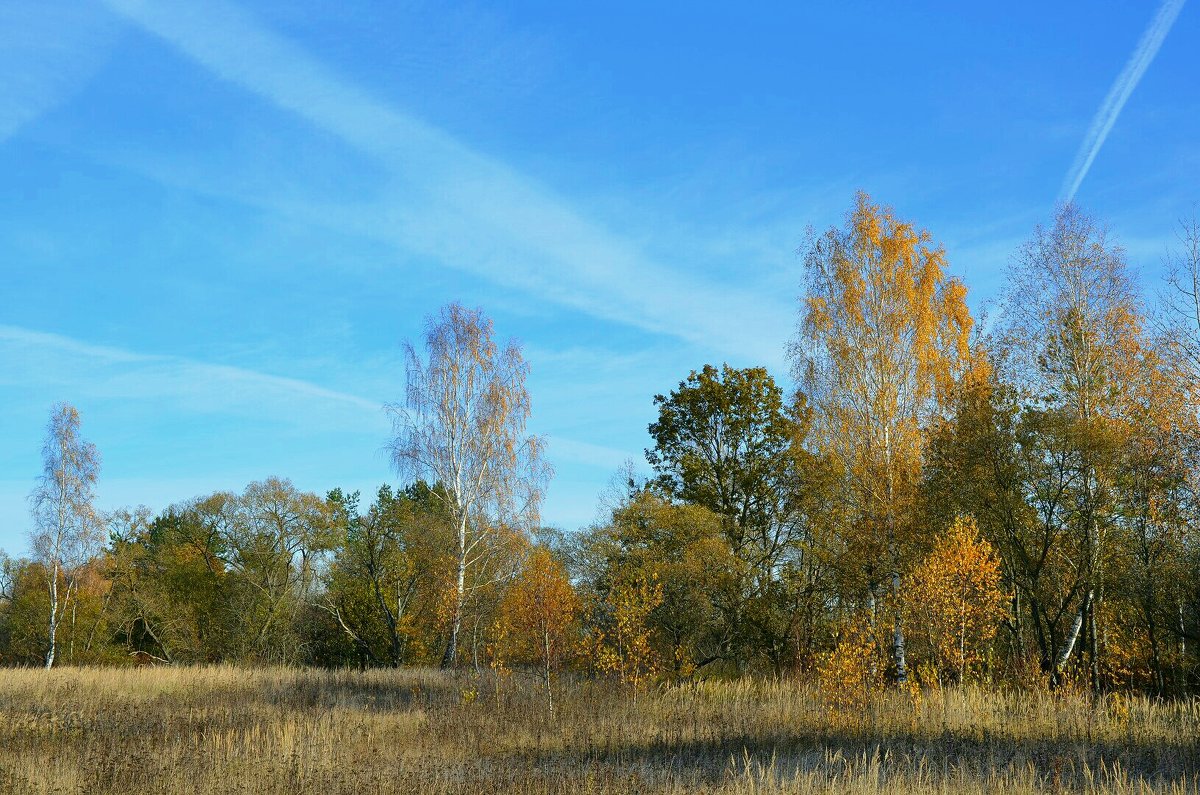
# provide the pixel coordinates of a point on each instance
(227, 730)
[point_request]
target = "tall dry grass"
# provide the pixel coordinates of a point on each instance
(225, 730)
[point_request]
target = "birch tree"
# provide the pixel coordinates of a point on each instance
(962, 604)
(883, 336)
(536, 618)
(462, 427)
(66, 528)
(1073, 342)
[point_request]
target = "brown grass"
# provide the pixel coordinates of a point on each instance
(225, 730)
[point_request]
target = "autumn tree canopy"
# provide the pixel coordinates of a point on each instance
(883, 338)
(462, 426)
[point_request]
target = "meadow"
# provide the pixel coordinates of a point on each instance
(291, 730)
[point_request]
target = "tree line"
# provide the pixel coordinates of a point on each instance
(933, 502)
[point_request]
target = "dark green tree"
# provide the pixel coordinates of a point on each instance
(726, 441)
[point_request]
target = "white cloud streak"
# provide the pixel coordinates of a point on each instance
(1118, 95)
(467, 209)
(47, 52)
(33, 358)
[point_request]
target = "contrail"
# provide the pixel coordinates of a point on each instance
(1106, 117)
(461, 206)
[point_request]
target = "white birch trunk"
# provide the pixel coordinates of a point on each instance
(53, 616)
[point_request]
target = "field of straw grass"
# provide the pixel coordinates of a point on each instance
(227, 730)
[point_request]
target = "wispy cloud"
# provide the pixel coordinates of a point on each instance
(60, 363)
(171, 427)
(469, 210)
(34, 357)
(1118, 95)
(47, 52)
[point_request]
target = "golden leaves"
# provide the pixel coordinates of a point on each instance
(534, 621)
(885, 339)
(625, 650)
(850, 673)
(961, 604)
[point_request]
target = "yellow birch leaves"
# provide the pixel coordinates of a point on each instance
(957, 600)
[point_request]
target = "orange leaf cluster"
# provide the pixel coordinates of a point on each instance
(961, 604)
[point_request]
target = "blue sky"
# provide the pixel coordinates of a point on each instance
(219, 221)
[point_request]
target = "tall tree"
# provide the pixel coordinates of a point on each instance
(883, 336)
(1072, 341)
(462, 426)
(725, 440)
(66, 529)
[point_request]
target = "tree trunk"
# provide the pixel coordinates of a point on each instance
(389, 617)
(1017, 628)
(1094, 651)
(396, 648)
(99, 617)
(166, 653)
(546, 671)
(898, 648)
(450, 658)
(873, 608)
(71, 642)
(1064, 654)
(1042, 633)
(962, 646)
(362, 648)
(1156, 667)
(53, 616)
(1181, 668)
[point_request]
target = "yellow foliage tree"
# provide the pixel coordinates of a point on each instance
(462, 425)
(883, 341)
(850, 673)
(625, 649)
(961, 603)
(535, 619)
